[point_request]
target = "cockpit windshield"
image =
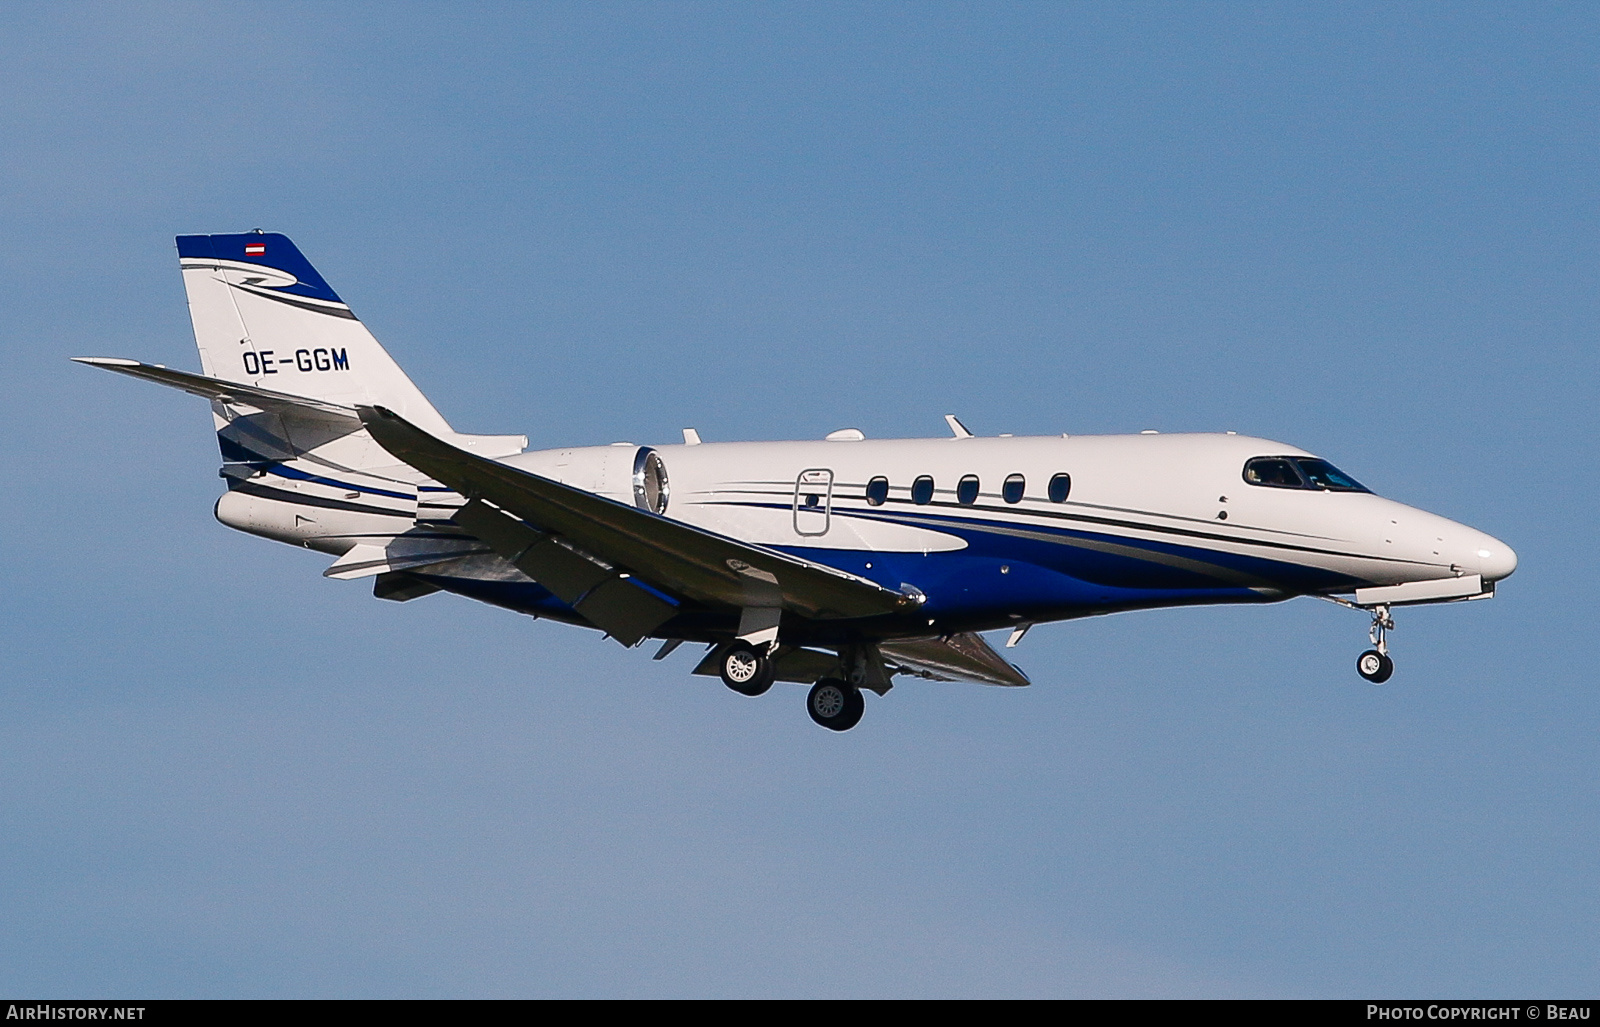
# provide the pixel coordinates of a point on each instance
(1326, 476)
(1299, 472)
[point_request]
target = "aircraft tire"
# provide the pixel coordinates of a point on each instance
(835, 704)
(1374, 666)
(745, 670)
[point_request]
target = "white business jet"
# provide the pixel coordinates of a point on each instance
(837, 563)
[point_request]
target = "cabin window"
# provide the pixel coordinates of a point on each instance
(877, 491)
(967, 490)
(922, 491)
(1060, 487)
(1013, 489)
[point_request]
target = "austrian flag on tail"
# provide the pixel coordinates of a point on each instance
(255, 249)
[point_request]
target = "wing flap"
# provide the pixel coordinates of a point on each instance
(607, 598)
(670, 556)
(403, 553)
(623, 610)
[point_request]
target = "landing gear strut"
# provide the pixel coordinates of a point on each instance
(1374, 664)
(746, 669)
(836, 705)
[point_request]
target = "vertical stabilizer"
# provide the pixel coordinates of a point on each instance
(264, 316)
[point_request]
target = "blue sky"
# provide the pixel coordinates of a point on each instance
(1368, 230)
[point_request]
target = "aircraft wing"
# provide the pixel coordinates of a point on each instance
(959, 657)
(581, 544)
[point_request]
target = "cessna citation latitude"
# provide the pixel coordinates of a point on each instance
(837, 564)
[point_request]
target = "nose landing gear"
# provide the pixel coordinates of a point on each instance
(1374, 664)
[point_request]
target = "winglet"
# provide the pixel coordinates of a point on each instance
(957, 429)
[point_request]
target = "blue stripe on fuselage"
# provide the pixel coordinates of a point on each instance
(1048, 573)
(289, 472)
(1074, 551)
(1066, 568)
(234, 452)
(964, 584)
(1007, 574)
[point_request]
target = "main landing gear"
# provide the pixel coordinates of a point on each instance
(836, 705)
(1374, 664)
(746, 669)
(833, 702)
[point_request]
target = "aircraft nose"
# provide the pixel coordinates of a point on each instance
(1495, 559)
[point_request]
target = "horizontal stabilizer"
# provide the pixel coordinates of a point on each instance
(359, 562)
(959, 657)
(401, 554)
(239, 394)
(401, 587)
(217, 389)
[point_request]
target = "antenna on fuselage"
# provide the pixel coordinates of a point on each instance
(958, 429)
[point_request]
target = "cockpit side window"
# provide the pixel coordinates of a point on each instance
(1276, 471)
(1324, 475)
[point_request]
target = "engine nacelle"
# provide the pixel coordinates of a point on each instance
(627, 473)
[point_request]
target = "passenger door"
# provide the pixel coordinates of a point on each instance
(813, 497)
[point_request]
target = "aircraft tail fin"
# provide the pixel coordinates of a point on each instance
(263, 316)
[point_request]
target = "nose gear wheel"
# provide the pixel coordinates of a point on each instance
(1375, 664)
